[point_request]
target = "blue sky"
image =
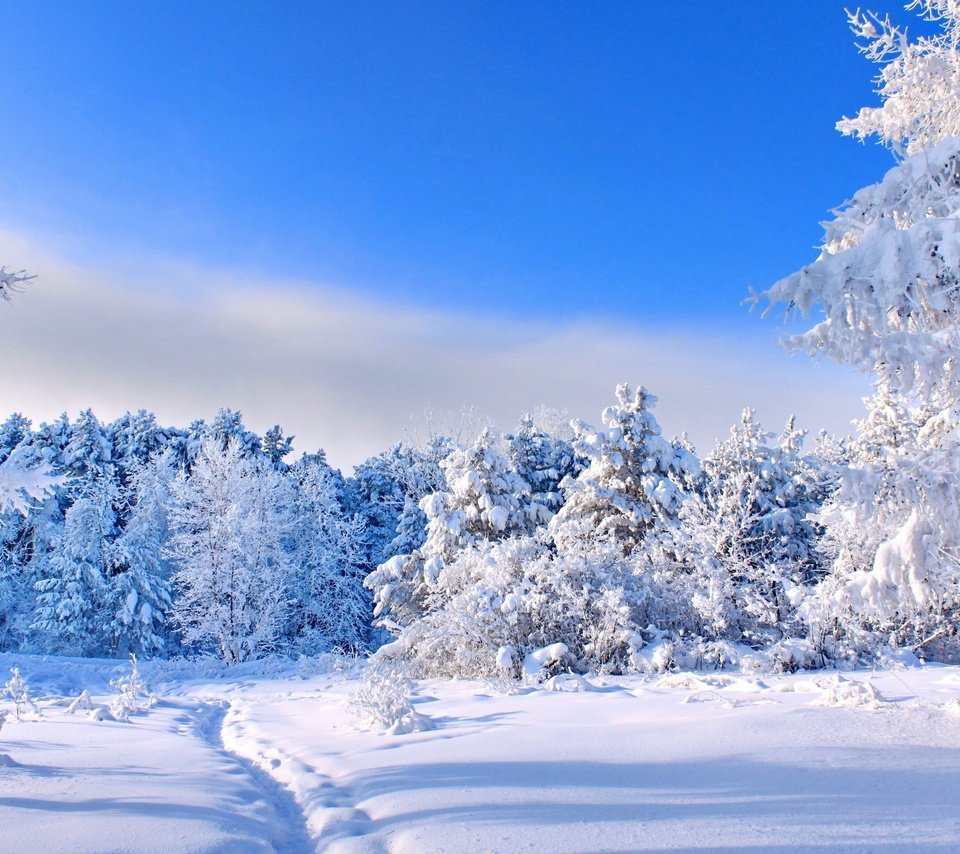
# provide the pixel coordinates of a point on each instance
(635, 163)
(638, 158)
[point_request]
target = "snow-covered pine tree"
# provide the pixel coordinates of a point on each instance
(140, 594)
(229, 520)
(276, 446)
(26, 477)
(73, 591)
(88, 455)
(227, 426)
(745, 539)
(376, 495)
(888, 286)
(482, 502)
(542, 461)
(919, 79)
(16, 583)
(13, 431)
(134, 440)
(331, 608)
(631, 484)
(419, 474)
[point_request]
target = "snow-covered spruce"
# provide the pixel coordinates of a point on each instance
(888, 286)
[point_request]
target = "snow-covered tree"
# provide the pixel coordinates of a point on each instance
(483, 502)
(632, 482)
(227, 426)
(331, 607)
(888, 285)
(88, 455)
(542, 461)
(919, 82)
(140, 594)
(745, 538)
(74, 589)
(25, 478)
(419, 474)
(229, 519)
(276, 446)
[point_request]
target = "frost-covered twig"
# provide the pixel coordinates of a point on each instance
(11, 282)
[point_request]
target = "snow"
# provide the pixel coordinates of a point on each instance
(534, 662)
(78, 783)
(271, 756)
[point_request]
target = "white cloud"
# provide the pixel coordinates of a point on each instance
(347, 373)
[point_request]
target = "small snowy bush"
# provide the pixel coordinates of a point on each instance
(382, 701)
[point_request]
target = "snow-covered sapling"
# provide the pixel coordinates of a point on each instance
(131, 695)
(18, 692)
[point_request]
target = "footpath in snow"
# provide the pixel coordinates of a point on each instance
(686, 762)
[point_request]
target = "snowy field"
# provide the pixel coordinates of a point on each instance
(252, 760)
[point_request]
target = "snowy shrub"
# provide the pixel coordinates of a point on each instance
(697, 653)
(382, 700)
(495, 604)
(851, 694)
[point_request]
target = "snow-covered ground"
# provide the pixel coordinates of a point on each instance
(263, 758)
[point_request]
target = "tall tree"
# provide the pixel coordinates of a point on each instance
(229, 519)
(887, 284)
(140, 593)
(331, 607)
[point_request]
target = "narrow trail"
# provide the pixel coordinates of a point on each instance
(291, 835)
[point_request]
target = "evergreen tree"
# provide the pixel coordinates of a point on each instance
(13, 431)
(631, 485)
(88, 455)
(134, 440)
(332, 609)
(745, 538)
(887, 283)
(227, 426)
(74, 589)
(482, 502)
(140, 594)
(276, 446)
(542, 461)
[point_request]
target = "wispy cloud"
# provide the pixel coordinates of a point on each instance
(347, 373)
